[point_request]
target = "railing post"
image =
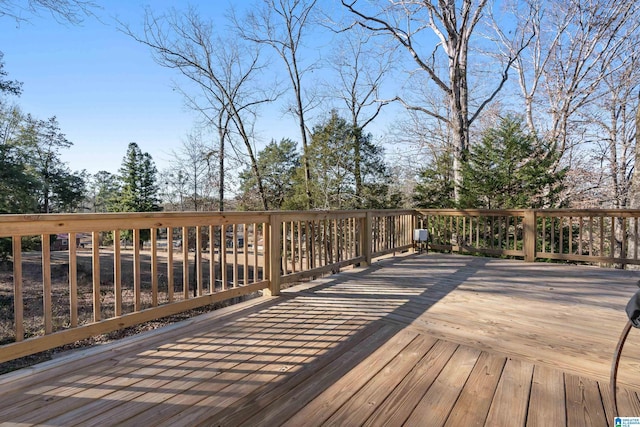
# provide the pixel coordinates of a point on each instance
(274, 246)
(414, 225)
(529, 236)
(365, 238)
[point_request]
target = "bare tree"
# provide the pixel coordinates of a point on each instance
(635, 183)
(361, 68)
(73, 11)
(222, 69)
(575, 46)
(193, 172)
(283, 25)
(453, 24)
(612, 119)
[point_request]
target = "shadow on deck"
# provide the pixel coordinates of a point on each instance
(419, 340)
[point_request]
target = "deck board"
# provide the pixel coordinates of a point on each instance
(547, 404)
(509, 405)
(472, 407)
(416, 340)
(362, 404)
(435, 406)
(403, 399)
(584, 402)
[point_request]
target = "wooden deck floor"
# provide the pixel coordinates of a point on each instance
(424, 340)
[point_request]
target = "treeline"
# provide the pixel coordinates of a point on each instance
(347, 172)
(33, 179)
(521, 105)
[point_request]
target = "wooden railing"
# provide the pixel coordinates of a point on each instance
(610, 237)
(475, 231)
(118, 270)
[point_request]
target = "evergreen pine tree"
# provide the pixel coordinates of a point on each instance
(138, 187)
(435, 188)
(138, 175)
(511, 169)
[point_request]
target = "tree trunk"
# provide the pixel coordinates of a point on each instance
(634, 190)
(305, 143)
(634, 187)
(357, 160)
(221, 134)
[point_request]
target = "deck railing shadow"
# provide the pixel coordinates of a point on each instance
(410, 301)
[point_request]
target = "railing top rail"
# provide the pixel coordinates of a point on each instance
(318, 214)
(474, 212)
(538, 212)
(33, 224)
(326, 214)
(589, 212)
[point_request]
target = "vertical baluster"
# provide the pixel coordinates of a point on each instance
(314, 252)
(170, 264)
(197, 259)
(266, 245)
(293, 247)
(154, 267)
(450, 232)
(552, 225)
(318, 240)
(561, 236)
(73, 281)
(137, 292)
(18, 303)
(612, 252)
(300, 253)
(234, 230)
(336, 255)
(245, 251)
(635, 238)
(46, 284)
(325, 241)
(601, 236)
(623, 250)
(285, 249)
(223, 257)
(544, 234)
(95, 256)
(117, 274)
(347, 238)
(590, 236)
(212, 260)
(255, 252)
(570, 251)
(580, 235)
(185, 263)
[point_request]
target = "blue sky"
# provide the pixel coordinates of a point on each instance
(104, 87)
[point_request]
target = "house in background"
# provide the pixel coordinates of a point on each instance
(62, 242)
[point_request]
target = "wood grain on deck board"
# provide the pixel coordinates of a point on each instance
(436, 338)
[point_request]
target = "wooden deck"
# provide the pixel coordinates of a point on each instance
(425, 340)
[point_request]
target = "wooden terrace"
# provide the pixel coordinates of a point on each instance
(421, 339)
(418, 339)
